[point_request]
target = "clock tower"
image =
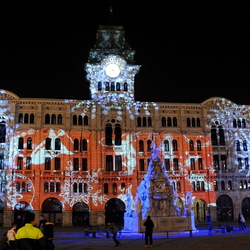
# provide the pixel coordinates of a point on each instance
(110, 68)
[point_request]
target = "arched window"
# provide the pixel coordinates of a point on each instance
(193, 122)
(229, 185)
(138, 121)
(23, 186)
(52, 187)
(20, 118)
(169, 122)
(221, 135)
(74, 120)
(108, 134)
(47, 119)
(149, 122)
(123, 188)
(75, 187)
(58, 187)
(79, 120)
(234, 123)
(46, 187)
(106, 188)
(76, 144)
(178, 186)
(245, 145)
(75, 164)
(163, 122)
(53, 119)
(85, 120)
(57, 144)
(166, 145)
(112, 86)
(125, 86)
(29, 143)
(59, 119)
(214, 136)
(141, 146)
(243, 123)
(202, 186)
(32, 118)
(84, 145)
(176, 164)
(26, 118)
(149, 145)
(198, 122)
(144, 122)
(118, 88)
(80, 188)
(85, 188)
(118, 134)
(200, 165)
(222, 185)
(18, 186)
(175, 145)
(188, 122)
(191, 145)
(175, 122)
(20, 143)
(237, 145)
(198, 145)
(239, 123)
(193, 185)
(48, 144)
(99, 86)
(2, 132)
(142, 165)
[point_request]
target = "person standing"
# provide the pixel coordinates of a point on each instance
(241, 221)
(113, 229)
(42, 222)
(11, 235)
(208, 220)
(149, 225)
(29, 237)
(48, 232)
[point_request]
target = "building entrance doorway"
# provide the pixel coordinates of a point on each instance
(52, 210)
(80, 214)
(114, 212)
(200, 210)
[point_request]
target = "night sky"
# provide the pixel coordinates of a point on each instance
(188, 51)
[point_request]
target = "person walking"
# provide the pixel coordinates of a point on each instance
(241, 221)
(30, 237)
(11, 235)
(149, 225)
(113, 229)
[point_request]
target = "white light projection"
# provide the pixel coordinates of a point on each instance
(224, 112)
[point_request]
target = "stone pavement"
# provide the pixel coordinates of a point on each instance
(74, 238)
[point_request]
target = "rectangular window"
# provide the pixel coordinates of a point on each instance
(200, 164)
(84, 164)
(176, 164)
(118, 163)
(57, 163)
(223, 162)
(20, 162)
(216, 162)
(75, 164)
(192, 163)
(142, 165)
(28, 163)
(109, 163)
(47, 163)
(246, 163)
(167, 164)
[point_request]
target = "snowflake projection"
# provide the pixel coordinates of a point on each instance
(14, 195)
(233, 119)
(72, 198)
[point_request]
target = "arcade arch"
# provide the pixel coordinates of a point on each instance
(52, 210)
(80, 214)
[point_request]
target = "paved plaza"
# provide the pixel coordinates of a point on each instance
(74, 238)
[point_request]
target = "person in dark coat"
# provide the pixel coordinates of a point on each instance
(42, 222)
(48, 232)
(113, 229)
(149, 225)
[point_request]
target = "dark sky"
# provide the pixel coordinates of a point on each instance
(189, 51)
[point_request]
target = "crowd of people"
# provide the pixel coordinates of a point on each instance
(24, 235)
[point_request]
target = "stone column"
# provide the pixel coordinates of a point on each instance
(67, 219)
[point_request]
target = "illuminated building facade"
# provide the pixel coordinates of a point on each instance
(81, 162)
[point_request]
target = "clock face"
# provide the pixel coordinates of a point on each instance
(112, 70)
